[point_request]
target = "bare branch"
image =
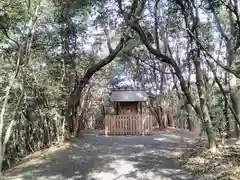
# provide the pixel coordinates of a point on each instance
(156, 24)
(204, 49)
(110, 49)
(222, 89)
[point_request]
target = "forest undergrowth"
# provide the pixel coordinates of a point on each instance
(224, 164)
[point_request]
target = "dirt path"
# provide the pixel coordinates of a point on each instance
(108, 158)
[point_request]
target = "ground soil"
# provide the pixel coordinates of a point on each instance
(97, 157)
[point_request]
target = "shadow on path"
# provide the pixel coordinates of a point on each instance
(109, 158)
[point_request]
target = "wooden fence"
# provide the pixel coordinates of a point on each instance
(128, 125)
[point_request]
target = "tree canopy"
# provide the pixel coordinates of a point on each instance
(60, 57)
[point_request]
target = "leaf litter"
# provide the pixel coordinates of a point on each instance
(221, 165)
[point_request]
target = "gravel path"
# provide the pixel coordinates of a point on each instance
(108, 158)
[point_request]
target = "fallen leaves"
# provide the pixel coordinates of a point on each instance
(221, 165)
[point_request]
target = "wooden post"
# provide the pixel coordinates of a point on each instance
(141, 107)
(117, 113)
(106, 125)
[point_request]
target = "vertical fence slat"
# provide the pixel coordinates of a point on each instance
(133, 126)
(106, 125)
(121, 125)
(148, 123)
(136, 126)
(137, 123)
(125, 124)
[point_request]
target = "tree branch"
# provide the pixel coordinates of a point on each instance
(74, 98)
(133, 24)
(204, 49)
(156, 24)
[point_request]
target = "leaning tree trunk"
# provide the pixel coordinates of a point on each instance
(185, 89)
(74, 98)
(201, 110)
(186, 103)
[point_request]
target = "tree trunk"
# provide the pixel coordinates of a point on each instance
(158, 116)
(163, 117)
(210, 134)
(235, 97)
(83, 108)
(189, 120)
(201, 110)
(236, 131)
(231, 55)
(74, 98)
(186, 103)
(225, 111)
(205, 116)
(170, 120)
(227, 126)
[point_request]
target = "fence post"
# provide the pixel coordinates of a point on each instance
(106, 125)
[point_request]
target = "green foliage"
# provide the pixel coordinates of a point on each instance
(47, 78)
(13, 11)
